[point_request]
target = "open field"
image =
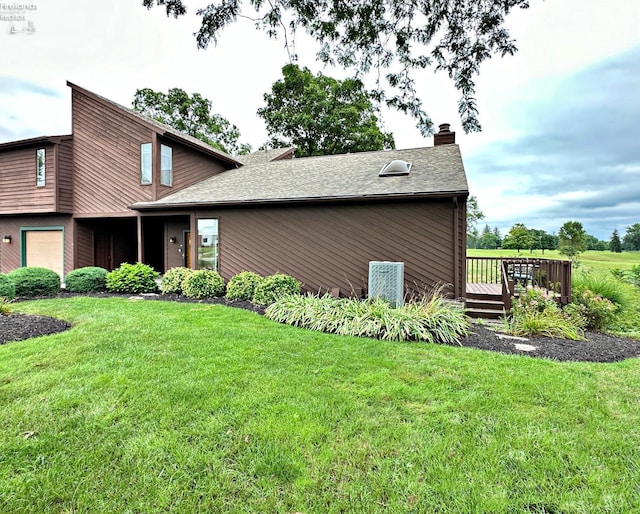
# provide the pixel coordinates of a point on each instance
(171, 407)
(590, 260)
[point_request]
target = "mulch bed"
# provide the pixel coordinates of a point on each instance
(596, 348)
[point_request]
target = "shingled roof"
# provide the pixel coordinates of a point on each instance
(435, 171)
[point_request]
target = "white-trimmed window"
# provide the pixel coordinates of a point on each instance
(145, 163)
(208, 244)
(166, 165)
(41, 156)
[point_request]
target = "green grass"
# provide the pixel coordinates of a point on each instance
(597, 264)
(590, 260)
(168, 407)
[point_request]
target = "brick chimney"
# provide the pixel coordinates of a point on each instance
(444, 136)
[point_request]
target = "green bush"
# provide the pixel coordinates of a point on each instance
(597, 312)
(6, 306)
(203, 283)
(631, 276)
(34, 281)
(132, 279)
(7, 287)
(533, 313)
(617, 292)
(173, 279)
(90, 279)
(273, 287)
(431, 318)
(243, 285)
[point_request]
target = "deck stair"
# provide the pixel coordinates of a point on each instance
(484, 301)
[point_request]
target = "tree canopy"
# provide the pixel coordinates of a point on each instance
(191, 115)
(396, 37)
(615, 245)
(320, 115)
(571, 239)
(518, 238)
(631, 240)
(474, 214)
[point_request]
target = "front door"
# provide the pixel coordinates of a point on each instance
(103, 250)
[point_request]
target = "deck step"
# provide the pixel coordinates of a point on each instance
(484, 313)
(489, 304)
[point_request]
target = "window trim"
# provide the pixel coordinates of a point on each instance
(169, 170)
(146, 150)
(216, 253)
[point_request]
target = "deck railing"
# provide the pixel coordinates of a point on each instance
(549, 274)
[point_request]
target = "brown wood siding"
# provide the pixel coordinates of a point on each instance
(65, 176)
(331, 245)
(189, 167)
(106, 155)
(18, 191)
(83, 245)
(10, 253)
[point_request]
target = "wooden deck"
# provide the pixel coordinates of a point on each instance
(490, 289)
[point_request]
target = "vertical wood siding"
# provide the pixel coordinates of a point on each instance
(18, 190)
(10, 253)
(327, 246)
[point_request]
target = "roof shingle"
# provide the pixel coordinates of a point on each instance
(436, 170)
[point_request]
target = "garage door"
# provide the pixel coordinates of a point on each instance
(44, 248)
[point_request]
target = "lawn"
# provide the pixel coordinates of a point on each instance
(172, 407)
(600, 262)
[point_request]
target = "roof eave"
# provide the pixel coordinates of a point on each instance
(315, 199)
(34, 141)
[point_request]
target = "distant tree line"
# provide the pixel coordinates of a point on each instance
(570, 240)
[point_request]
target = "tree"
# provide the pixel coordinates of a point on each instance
(615, 245)
(631, 240)
(474, 214)
(593, 243)
(191, 115)
(396, 35)
(519, 237)
(488, 240)
(320, 115)
(571, 239)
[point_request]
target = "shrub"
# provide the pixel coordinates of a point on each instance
(273, 287)
(132, 279)
(35, 281)
(7, 287)
(608, 287)
(533, 313)
(86, 280)
(597, 312)
(203, 283)
(631, 276)
(173, 279)
(5, 305)
(243, 285)
(431, 318)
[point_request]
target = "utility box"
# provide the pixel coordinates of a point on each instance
(386, 280)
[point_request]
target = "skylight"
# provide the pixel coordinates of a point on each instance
(394, 168)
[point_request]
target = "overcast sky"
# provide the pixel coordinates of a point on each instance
(561, 118)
